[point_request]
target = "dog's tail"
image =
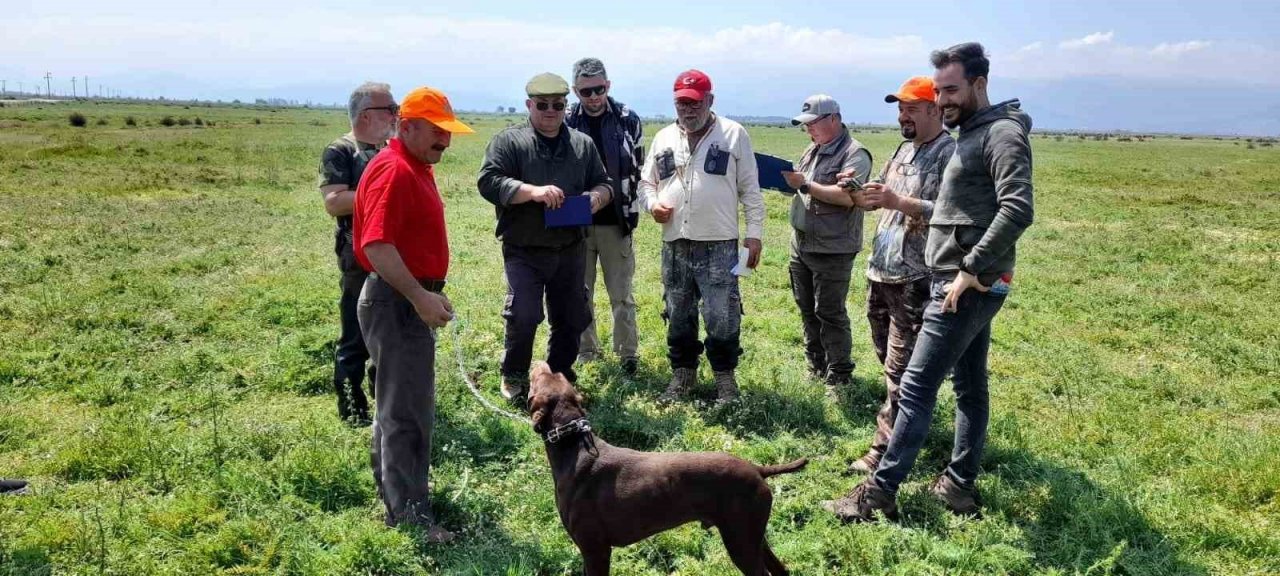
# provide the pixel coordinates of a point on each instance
(787, 468)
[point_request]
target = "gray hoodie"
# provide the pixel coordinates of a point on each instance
(985, 200)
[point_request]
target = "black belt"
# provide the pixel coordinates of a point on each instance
(430, 285)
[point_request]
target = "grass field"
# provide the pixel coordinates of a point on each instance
(168, 310)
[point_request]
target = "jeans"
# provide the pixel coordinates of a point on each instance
(957, 340)
(693, 272)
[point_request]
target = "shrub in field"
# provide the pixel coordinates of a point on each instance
(130, 121)
(184, 122)
(199, 122)
(101, 122)
(1250, 146)
(168, 121)
(257, 120)
(77, 119)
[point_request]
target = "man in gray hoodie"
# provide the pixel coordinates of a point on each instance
(983, 206)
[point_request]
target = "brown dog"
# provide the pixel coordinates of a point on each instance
(610, 496)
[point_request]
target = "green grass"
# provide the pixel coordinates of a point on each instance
(167, 317)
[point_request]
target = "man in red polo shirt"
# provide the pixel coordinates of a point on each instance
(399, 236)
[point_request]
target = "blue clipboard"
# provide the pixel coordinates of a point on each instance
(576, 211)
(769, 171)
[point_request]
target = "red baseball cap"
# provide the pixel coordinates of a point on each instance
(692, 84)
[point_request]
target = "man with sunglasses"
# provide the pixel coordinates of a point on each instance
(699, 170)
(618, 136)
(897, 278)
(827, 235)
(372, 111)
(529, 169)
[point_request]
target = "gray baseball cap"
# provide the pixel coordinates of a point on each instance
(815, 107)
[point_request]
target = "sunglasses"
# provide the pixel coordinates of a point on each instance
(558, 106)
(690, 104)
(394, 109)
(592, 91)
(816, 120)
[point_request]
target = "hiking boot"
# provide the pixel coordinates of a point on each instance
(866, 464)
(862, 503)
(435, 534)
(959, 500)
(418, 517)
(515, 390)
(682, 380)
(726, 387)
(629, 365)
(8, 486)
(835, 383)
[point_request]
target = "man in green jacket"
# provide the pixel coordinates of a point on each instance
(529, 169)
(983, 206)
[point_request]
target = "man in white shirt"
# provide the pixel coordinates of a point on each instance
(699, 170)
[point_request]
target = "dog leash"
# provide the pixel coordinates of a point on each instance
(471, 384)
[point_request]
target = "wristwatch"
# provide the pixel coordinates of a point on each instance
(804, 188)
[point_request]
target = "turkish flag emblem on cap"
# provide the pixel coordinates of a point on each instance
(692, 84)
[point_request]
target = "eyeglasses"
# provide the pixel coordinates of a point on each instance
(558, 106)
(816, 120)
(393, 109)
(690, 104)
(592, 91)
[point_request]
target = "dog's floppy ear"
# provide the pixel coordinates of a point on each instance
(539, 413)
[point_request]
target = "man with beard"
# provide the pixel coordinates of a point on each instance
(698, 171)
(984, 204)
(897, 278)
(527, 170)
(827, 235)
(400, 238)
(618, 136)
(372, 112)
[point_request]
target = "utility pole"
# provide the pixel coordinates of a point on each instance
(48, 84)
(73, 87)
(86, 87)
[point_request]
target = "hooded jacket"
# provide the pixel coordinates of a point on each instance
(985, 200)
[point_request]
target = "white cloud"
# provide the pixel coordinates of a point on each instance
(1102, 54)
(1179, 48)
(1095, 39)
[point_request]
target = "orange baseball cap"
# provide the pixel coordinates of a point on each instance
(433, 106)
(915, 89)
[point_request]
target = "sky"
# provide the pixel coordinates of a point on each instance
(1145, 66)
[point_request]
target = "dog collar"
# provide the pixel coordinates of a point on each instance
(561, 432)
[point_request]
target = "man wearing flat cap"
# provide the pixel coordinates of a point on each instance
(399, 235)
(827, 235)
(529, 170)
